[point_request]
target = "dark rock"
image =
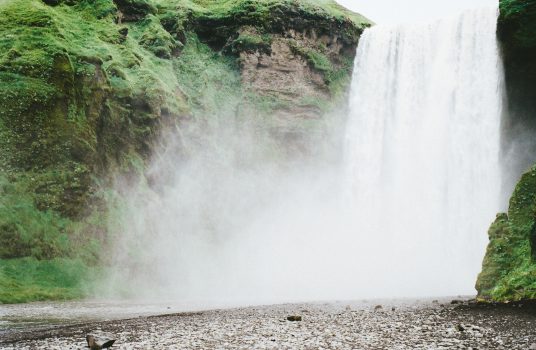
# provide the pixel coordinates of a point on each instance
(124, 33)
(97, 342)
(460, 328)
(134, 10)
(52, 2)
(92, 60)
(294, 318)
(378, 307)
(456, 302)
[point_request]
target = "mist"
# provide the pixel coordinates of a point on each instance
(238, 221)
(228, 216)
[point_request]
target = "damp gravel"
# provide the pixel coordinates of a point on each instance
(426, 324)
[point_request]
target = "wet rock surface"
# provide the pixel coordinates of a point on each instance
(342, 325)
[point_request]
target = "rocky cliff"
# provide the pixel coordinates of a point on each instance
(509, 268)
(87, 86)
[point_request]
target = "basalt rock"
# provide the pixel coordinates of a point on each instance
(516, 31)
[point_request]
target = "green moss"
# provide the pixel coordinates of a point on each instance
(28, 279)
(156, 39)
(337, 77)
(211, 82)
(518, 18)
(132, 10)
(261, 10)
(319, 61)
(54, 60)
(509, 267)
(251, 41)
(216, 21)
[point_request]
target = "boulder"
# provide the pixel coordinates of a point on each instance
(97, 342)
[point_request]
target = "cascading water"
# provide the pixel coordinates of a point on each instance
(420, 184)
(423, 144)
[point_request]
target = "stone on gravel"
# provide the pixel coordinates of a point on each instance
(98, 342)
(294, 318)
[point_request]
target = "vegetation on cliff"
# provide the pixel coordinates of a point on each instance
(517, 34)
(509, 268)
(86, 87)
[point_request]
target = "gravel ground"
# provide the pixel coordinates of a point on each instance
(341, 325)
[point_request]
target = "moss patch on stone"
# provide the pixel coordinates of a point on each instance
(509, 268)
(250, 40)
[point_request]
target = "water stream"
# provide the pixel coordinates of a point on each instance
(423, 145)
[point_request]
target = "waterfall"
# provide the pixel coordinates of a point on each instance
(405, 215)
(422, 150)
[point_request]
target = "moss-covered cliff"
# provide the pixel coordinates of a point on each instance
(509, 268)
(86, 87)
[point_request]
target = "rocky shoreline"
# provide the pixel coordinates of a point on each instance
(429, 324)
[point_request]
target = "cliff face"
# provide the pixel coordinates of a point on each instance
(516, 32)
(87, 86)
(509, 268)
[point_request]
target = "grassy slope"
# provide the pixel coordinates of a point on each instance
(262, 9)
(28, 279)
(81, 100)
(51, 71)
